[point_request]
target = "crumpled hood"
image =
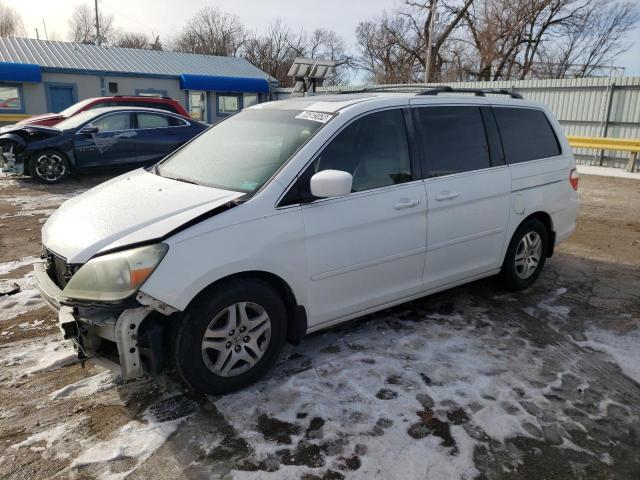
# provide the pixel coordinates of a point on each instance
(33, 128)
(135, 207)
(41, 118)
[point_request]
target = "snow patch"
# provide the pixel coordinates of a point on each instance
(137, 440)
(28, 298)
(10, 266)
(624, 348)
(40, 356)
(85, 387)
(51, 439)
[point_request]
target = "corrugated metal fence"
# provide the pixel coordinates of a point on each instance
(589, 107)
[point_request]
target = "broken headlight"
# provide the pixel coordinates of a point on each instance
(115, 276)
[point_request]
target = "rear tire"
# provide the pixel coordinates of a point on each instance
(525, 256)
(48, 166)
(228, 339)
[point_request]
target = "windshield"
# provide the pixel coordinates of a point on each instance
(76, 120)
(244, 151)
(67, 112)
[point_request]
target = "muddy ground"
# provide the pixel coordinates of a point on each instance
(470, 383)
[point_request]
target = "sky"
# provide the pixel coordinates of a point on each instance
(166, 17)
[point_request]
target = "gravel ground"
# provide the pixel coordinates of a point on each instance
(469, 383)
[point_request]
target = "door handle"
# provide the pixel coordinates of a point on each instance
(446, 195)
(406, 203)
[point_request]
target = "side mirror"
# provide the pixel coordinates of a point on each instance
(331, 183)
(89, 129)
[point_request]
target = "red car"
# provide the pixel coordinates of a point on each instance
(163, 103)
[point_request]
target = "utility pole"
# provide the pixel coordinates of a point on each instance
(98, 38)
(46, 35)
(432, 22)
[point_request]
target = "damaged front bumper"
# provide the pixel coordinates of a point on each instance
(11, 154)
(108, 337)
(10, 162)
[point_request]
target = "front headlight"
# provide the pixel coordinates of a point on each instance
(115, 276)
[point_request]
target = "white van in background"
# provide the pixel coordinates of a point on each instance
(295, 215)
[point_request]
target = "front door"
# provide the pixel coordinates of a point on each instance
(61, 97)
(468, 189)
(367, 248)
(113, 144)
(198, 105)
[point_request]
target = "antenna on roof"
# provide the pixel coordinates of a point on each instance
(309, 74)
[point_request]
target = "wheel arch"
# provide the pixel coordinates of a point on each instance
(296, 314)
(546, 219)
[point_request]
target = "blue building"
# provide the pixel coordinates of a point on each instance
(38, 76)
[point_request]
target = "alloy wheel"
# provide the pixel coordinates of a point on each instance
(236, 339)
(528, 254)
(50, 167)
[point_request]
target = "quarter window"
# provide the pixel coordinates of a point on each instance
(113, 122)
(374, 149)
(9, 98)
(526, 134)
(453, 138)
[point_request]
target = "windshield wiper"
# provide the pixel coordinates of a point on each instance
(182, 179)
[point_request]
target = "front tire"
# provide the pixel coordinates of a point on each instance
(49, 166)
(525, 256)
(229, 339)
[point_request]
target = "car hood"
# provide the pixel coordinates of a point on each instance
(45, 117)
(135, 207)
(33, 128)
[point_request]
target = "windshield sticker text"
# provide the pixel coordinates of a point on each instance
(315, 116)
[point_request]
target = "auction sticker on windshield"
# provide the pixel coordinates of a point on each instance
(315, 116)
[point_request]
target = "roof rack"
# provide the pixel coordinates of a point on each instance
(478, 92)
(384, 88)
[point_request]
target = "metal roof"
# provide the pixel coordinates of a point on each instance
(77, 56)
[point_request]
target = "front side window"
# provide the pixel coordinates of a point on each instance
(228, 104)
(453, 139)
(526, 134)
(113, 122)
(10, 98)
(150, 120)
(242, 152)
(373, 149)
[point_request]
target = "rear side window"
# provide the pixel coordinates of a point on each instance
(149, 120)
(526, 134)
(453, 138)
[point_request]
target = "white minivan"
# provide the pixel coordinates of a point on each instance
(295, 215)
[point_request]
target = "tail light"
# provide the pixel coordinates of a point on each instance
(574, 178)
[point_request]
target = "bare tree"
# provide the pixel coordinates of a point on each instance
(212, 32)
(138, 40)
(10, 22)
(590, 41)
(381, 56)
(272, 52)
(82, 28)
(275, 51)
(326, 45)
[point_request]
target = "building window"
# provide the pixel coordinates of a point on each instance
(249, 99)
(151, 92)
(228, 104)
(10, 97)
